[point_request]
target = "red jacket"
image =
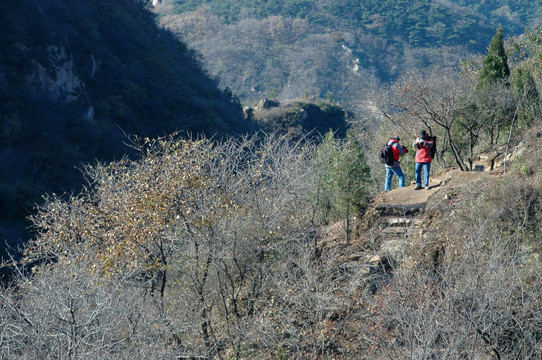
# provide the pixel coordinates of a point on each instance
(423, 152)
(397, 150)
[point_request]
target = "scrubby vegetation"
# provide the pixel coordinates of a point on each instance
(196, 250)
(214, 250)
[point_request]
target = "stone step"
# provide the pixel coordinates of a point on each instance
(401, 231)
(401, 210)
(399, 222)
(395, 221)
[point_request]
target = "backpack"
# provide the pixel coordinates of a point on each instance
(434, 148)
(386, 155)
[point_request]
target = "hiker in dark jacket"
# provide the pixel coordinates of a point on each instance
(423, 145)
(395, 168)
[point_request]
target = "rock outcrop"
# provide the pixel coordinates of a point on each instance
(267, 104)
(59, 77)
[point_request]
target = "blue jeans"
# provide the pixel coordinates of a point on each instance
(426, 167)
(389, 174)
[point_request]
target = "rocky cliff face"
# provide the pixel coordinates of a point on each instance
(76, 78)
(58, 77)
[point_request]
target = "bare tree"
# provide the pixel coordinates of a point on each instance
(447, 103)
(65, 312)
(197, 225)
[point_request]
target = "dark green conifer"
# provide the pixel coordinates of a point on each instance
(495, 66)
(527, 96)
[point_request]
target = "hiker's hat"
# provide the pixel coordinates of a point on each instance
(423, 133)
(396, 138)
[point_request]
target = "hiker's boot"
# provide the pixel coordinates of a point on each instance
(418, 187)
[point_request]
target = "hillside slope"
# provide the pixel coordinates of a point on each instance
(336, 49)
(446, 272)
(77, 77)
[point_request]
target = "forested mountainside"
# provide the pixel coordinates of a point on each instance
(335, 49)
(419, 22)
(77, 77)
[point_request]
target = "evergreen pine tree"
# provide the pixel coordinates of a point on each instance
(495, 66)
(494, 77)
(343, 185)
(526, 94)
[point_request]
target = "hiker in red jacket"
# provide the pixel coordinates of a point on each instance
(423, 145)
(395, 168)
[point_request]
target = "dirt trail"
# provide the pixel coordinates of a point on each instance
(407, 196)
(398, 216)
(393, 223)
